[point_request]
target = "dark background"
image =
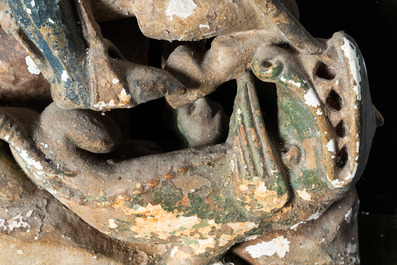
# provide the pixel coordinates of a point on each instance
(373, 24)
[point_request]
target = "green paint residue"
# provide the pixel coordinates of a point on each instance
(203, 223)
(134, 206)
(168, 196)
(189, 241)
(96, 199)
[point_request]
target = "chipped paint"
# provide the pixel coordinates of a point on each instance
(174, 250)
(347, 178)
(312, 217)
(14, 223)
(51, 21)
(278, 245)
(64, 76)
(115, 81)
(249, 238)
(124, 97)
(349, 49)
(30, 161)
(32, 67)
(255, 190)
(348, 216)
(351, 248)
(311, 98)
(296, 225)
(112, 224)
(2, 224)
(204, 26)
(180, 8)
(196, 232)
(304, 194)
(291, 82)
(104, 106)
(29, 213)
(331, 146)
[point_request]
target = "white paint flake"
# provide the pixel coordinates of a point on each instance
(173, 251)
(33, 3)
(232, 164)
(65, 76)
(204, 26)
(314, 216)
(331, 146)
(51, 21)
(349, 49)
(304, 194)
(100, 105)
(30, 161)
(112, 224)
(115, 81)
(180, 8)
(296, 225)
(7, 138)
(348, 216)
(351, 248)
(29, 11)
(353, 173)
(278, 245)
(32, 67)
(124, 97)
(249, 238)
(2, 224)
(29, 213)
(14, 222)
(319, 112)
(291, 82)
(311, 98)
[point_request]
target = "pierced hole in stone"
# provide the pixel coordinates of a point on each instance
(267, 97)
(340, 129)
(334, 100)
(342, 157)
(265, 65)
(124, 34)
(325, 71)
(113, 54)
(208, 43)
(225, 95)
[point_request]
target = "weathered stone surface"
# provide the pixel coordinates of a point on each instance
(21, 82)
(126, 200)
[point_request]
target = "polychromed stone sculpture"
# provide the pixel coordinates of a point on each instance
(265, 190)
